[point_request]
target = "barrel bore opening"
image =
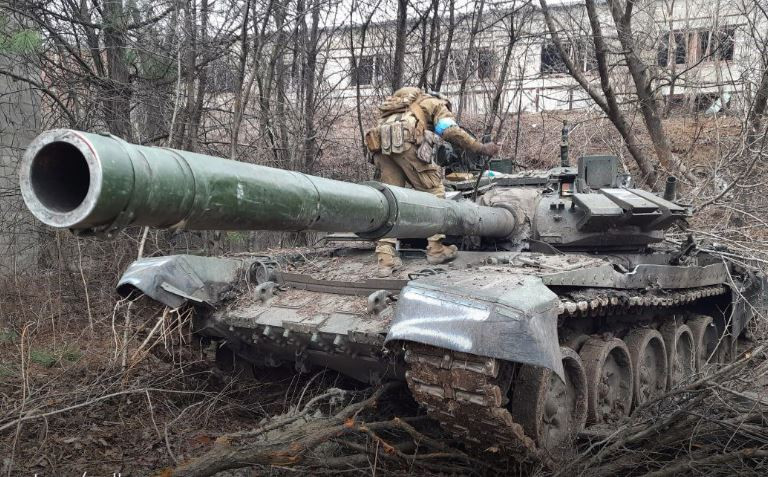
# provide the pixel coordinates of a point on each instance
(60, 177)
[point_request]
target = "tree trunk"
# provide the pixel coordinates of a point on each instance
(117, 101)
(758, 111)
(471, 55)
(437, 20)
(638, 70)
(358, 98)
(202, 80)
(310, 74)
(446, 57)
(265, 78)
(429, 48)
(239, 104)
(188, 65)
(402, 31)
(502, 79)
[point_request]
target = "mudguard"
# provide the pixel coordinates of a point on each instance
(177, 279)
(508, 317)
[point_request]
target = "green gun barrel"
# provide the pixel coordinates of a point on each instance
(96, 183)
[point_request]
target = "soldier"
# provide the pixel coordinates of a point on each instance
(410, 126)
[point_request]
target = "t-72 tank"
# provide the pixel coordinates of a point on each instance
(566, 308)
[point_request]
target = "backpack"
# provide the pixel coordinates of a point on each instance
(402, 124)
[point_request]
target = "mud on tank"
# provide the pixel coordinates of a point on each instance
(565, 309)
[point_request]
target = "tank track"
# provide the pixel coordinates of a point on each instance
(467, 394)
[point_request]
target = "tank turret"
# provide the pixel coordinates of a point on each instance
(95, 183)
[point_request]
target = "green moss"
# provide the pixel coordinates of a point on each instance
(7, 370)
(71, 354)
(16, 39)
(8, 336)
(24, 41)
(236, 237)
(49, 359)
(44, 358)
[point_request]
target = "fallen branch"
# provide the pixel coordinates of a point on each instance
(654, 430)
(287, 449)
(32, 415)
(688, 465)
(283, 443)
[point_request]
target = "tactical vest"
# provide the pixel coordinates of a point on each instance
(401, 125)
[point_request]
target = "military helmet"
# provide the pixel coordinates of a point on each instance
(440, 96)
(406, 91)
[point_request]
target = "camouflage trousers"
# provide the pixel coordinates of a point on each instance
(406, 169)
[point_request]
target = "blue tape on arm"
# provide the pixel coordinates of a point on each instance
(443, 124)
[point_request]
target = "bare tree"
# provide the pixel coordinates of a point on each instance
(470, 63)
(514, 24)
(446, 54)
(401, 34)
(643, 80)
(606, 97)
(310, 78)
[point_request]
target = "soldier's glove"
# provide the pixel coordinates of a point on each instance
(489, 149)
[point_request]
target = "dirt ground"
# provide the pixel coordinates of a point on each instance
(165, 403)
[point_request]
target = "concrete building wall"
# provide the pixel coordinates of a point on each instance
(656, 23)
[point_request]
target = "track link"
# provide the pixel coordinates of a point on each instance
(468, 394)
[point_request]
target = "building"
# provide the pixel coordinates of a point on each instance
(702, 54)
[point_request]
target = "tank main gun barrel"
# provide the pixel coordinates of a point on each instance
(96, 183)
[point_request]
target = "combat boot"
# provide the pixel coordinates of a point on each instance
(387, 260)
(438, 253)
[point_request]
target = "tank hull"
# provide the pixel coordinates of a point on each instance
(449, 331)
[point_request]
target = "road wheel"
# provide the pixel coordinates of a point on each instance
(649, 362)
(705, 341)
(681, 353)
(609, 379)
(550, 410)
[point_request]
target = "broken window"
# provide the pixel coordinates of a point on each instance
(692, 46)
(704, 44)
(584, 55)
(663, 57)
(486, 63)
(362, 75)
(724, 44)
(479, 65)
(551, 62)
(456, 63)
(371, 69)
(681, 48)
(383, 68)
(580, 52)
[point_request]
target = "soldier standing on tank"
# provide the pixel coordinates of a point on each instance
(410, 126)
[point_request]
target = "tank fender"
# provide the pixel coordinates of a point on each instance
(178, 279)
(513, 319)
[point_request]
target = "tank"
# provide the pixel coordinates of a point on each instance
(566, 308)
